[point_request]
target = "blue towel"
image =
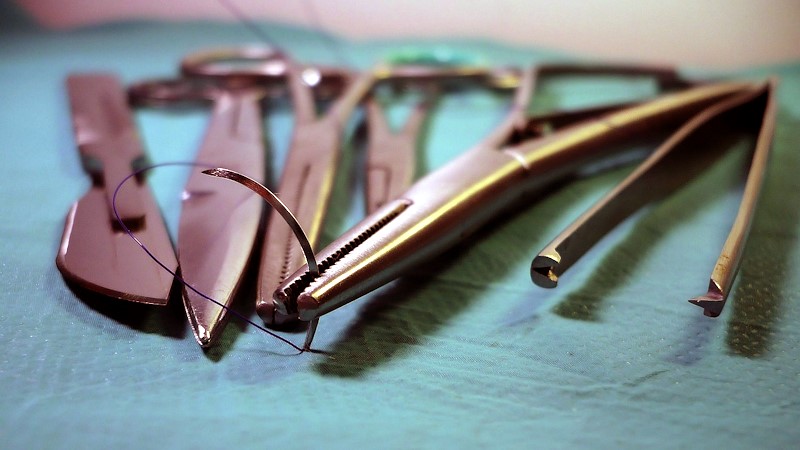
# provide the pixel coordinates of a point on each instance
(464, 352)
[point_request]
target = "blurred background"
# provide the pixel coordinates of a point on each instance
(712, 33)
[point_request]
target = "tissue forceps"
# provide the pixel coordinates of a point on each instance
(95, 252)
(663, 172)
(448, 205)
(389, 171)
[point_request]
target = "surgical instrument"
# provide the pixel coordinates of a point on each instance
(95, 253)
(658, 176)
(448, 205)
(391, 154)
(307, 177)
(308, 174)
(218, 222)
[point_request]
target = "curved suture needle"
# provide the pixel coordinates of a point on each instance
(287, 215)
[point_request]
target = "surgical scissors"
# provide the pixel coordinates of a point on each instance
(307, 177)
(218, 222)
(521, 156)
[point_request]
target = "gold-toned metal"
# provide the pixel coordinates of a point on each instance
(449, 204)
(727, 265)
(666, 170)
(306, 182)
(390, 165)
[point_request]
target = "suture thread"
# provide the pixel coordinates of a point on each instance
(130, 233)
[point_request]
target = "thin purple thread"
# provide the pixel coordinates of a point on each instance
(247, 22)
(311, 12)
(170, 271)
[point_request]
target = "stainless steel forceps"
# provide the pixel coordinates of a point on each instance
(307, 178)
(522, 155)
(663, 172)
(391, 153)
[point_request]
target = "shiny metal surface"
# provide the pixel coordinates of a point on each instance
(276, 204)
(308, 174)
(670, 167)
(306, 182)
(446, 206)
(266, 67)
(219, 221)
(727, 265)
(391, 155)
(95, 252)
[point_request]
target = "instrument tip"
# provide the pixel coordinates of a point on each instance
(713, 301)
(712, 306)
(543, 271)
(218, 172)
(307, 305)
(271, 316)
(203, 336)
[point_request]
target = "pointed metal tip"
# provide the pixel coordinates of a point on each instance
(216, 172)
(205, 328)
(203, 336)
(312, 330)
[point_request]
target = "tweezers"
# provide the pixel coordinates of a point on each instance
(446, 206)
(664, 171)
(95, 252)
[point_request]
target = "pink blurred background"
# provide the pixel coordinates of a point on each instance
(710, 33)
